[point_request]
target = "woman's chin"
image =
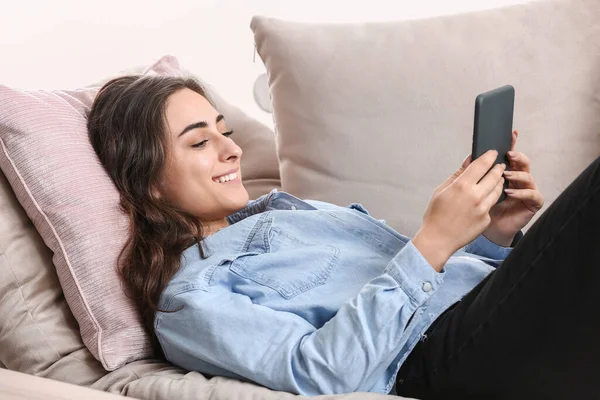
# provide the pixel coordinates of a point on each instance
(241, 196)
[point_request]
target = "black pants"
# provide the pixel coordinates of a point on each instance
(531, 329)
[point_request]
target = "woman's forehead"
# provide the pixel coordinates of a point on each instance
(186, 107)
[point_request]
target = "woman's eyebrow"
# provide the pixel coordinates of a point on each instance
(200, 124)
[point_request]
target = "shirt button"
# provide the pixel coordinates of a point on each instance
(427, 287)
(294, 208)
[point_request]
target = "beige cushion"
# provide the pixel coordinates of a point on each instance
(47, 158)
(158, 381)
(382, 113)
(19, 386)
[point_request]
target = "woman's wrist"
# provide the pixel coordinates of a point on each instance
(433, 249)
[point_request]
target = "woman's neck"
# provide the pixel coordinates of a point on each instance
(215, 226)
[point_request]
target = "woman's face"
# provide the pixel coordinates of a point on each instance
(201, 158)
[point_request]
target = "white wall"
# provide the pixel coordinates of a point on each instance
(72, 43)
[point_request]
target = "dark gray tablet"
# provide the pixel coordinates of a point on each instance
(494, 124)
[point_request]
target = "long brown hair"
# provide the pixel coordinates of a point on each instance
(127, 128)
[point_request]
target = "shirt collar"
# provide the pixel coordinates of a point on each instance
(274, 200)
(252, 207)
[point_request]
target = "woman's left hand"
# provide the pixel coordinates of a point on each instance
(523, 200)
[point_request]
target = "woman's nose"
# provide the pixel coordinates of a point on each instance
(235, 154)
(230, 150)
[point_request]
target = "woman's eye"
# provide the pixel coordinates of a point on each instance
(202, 143)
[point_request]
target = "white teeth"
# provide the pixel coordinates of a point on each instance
(226, 178)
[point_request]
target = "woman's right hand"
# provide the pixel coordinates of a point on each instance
(459, 209)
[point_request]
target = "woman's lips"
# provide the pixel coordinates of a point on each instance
(236, 180)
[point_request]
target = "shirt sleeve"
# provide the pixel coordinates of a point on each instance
(282, 350)
(484, 247)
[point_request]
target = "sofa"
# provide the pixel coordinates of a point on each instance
(376, 113)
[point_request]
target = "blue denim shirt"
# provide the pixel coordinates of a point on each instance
(309, 297)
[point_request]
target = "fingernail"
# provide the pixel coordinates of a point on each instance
(509, 191)
(507, 173)
(511, 154)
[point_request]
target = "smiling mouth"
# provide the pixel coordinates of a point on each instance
(227, 178)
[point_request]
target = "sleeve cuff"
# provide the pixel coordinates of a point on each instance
(482, 246)
(413, 273)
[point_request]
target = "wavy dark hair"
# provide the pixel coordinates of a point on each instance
(127, 128)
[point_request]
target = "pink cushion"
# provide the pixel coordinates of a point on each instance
(55, 174)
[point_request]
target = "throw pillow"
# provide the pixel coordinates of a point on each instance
(382, 113)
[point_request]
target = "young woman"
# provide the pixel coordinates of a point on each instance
(310, 297)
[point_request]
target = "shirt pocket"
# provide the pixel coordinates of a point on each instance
(292, 265)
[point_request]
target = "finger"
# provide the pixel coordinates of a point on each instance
(515, 134)
(489, 182)
(519, 161)
(478, 168)
(455, 175)
(492, 197)
(525, 178)
(467, 161)
(533, 198)
(449, 181)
